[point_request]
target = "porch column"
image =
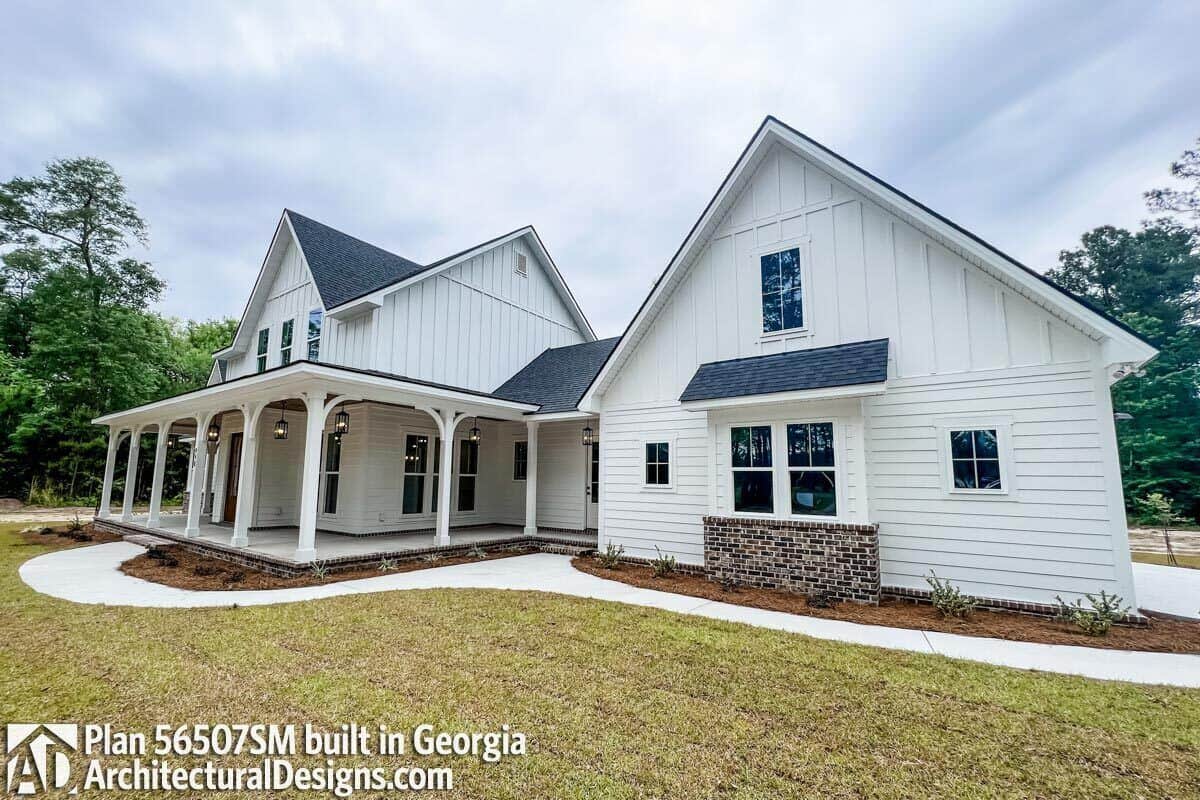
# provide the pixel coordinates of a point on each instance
(314, 431)
(160, 466)
(531, 465)
(247, 475)
(447, 420)
(131, 465)
(110, 465)
(199, 474)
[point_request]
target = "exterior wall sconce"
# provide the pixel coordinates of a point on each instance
(341, 423)
(474, 435)
(214, 433)
(281, 427)
(588, 437)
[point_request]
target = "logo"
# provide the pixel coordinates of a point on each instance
(37, 756)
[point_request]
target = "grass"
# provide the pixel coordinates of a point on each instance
(1187, 560)
(619, 702)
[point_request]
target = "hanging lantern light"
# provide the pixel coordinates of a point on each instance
(341, 423)
(281, 426)
(587, 436)
(474, 435)
(214, 433)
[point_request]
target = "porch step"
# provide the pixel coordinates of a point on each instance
(147, 539)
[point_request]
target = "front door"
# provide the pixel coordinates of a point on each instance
(231, 479)
(593, 486)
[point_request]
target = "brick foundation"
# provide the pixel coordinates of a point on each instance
(839, 559)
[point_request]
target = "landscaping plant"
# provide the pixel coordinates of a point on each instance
(387, 564)
(1159, 510)
(1097, 620)
(477, 552)
(610, 557)
(663, 565)
(948, 598)
(320, 569)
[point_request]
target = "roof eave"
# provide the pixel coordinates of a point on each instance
(797, 396)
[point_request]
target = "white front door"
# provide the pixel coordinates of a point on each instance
(592, 489)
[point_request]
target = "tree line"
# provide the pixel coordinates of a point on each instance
(79, 338)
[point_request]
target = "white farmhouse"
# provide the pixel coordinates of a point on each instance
(831, 388)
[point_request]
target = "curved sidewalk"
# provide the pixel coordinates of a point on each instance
(91, 575)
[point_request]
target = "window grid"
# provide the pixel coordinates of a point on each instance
(285, 342)
(468, 467)
(812, 474)
(752, 467)
(333, 467)
(264, 341)
(416, 463)
(782, 291)
(658, 463)
(594, 489)
(975, 460)
(520, 460)
(315, 321)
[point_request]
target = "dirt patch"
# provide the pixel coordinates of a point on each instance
(173, 566)
(62, 537)
(1161, 635)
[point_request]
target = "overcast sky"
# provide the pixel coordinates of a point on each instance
(428, 127)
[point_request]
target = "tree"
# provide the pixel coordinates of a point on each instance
(1149, 279)
(1183, 201)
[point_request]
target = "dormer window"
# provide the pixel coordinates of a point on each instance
(522, 265)
(782, 293)
(264, 341)
(314, 334)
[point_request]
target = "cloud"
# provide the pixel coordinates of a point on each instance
(427, 128)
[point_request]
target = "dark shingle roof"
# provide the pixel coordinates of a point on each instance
(819, 368)
(345, 268)
(557, 379)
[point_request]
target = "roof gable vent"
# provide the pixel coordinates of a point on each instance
(522, 265)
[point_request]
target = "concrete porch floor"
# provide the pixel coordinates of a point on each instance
(280, 543)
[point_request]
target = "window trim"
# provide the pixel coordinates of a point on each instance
(459, 441)
(323, 492)
(672, 464)
(781, 481)
(839, 451)
(803, 243)
(309, 338)
(283, 328)
(405, 474)
(772, 470)
(524, 477)
(262, 350)
(1003, 427)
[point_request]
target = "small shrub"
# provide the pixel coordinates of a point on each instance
(948, 598)
(235, 577)
(1097, 620)
(819, 598)
(387, 564)
(663, 565)
(610, 556)
(477, 552)
(1160, 511)
(319, 570)
(162, 556)
(431, 558)
(206, 570)
(75, 525)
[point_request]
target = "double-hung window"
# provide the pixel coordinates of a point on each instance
(658, 464)
(437, 473)
(285, 342)
(416, 465)
(782, 292)
(468, 466)
(520, 460)
(333, 468)
(975, 459)
(750, 456)
(812, 480)
(315, 319)
(264, 341)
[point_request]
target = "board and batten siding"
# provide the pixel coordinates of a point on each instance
(960, 341)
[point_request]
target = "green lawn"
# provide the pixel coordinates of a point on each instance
(1185, 560)
(618, 701)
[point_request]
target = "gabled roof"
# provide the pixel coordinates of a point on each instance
(1128, 345)
(800, 370)
(557, 378)
(343, 267)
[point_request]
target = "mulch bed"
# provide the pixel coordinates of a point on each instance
(60, 536)
(173, 566)
(1160, 635)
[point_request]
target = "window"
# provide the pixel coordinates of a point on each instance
(658, 463)
(437, 472)
(333, 466)
(522, 266)
(520, 460)
(416, 464)
(750, 455)
(782, 294)
(594, 488)
(285, 342)
(812, 479)
(264, 341)
(314, 334)
(468, 465)
(975, 460)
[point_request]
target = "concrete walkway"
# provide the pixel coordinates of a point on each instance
(90, 575)
(1171, 590)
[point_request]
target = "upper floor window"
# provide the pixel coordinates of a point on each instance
(975, 460)
(782, 294)
(520, 460)
(314, 334)
(285, 342)
(522, 265)
(264, 341)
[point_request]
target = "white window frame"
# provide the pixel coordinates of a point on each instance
(781, 482)
(514, 452)
(460, 474)
(290, 345)
(324, 487)
(518, 267)
(672, 463)
(1003, 427)
(803, 243)
(308, 338)
(773, 470)
(839, 455)
(405, 474)
(262, 350)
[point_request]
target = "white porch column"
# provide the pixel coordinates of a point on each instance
(160, 466)
(247, 475)
(131, 465)
(531, 467)
(314, 432)
(447, 420)
(110, 465)
(199, 475)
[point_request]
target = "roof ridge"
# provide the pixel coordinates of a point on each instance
(341, 232)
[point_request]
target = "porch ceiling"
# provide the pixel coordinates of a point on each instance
(300, 377)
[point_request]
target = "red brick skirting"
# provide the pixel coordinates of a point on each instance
(996, 604)
(837, 559)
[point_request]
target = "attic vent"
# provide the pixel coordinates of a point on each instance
(522, 264)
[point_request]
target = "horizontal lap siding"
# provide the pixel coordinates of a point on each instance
(1054, 535)
(640, 519)
(562, 478)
